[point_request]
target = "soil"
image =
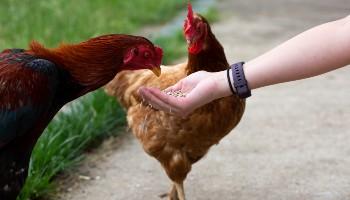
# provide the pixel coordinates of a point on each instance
(293, 142)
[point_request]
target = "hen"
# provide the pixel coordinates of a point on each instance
(36, 83)
(175, 142)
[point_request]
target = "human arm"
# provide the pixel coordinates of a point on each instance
(313, 52)
(316, 51)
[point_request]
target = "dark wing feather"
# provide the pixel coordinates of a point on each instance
(27, 88)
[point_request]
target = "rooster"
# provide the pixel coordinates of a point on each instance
(175, 142)
(36, 83)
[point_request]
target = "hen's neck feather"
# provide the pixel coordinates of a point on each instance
(212, 58)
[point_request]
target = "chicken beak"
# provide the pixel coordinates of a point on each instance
(156, 70)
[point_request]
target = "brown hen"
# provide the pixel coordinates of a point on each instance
(175, 142)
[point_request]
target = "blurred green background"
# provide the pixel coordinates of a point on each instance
(54, 21)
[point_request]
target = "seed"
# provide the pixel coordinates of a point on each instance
(177, 93)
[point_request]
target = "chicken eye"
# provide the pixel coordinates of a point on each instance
(135, 51)
(146, 54)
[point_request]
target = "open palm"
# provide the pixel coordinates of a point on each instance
(199, 87)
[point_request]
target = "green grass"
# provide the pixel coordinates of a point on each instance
(54, 21)
(96, 115)
(87, 121)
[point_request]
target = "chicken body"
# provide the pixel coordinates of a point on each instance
(36, 83)
(175, 142)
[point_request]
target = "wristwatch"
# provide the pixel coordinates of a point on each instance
(239, 81)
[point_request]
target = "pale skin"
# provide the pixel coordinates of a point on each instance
(316, 51)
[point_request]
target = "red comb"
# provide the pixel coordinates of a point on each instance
(189, 13)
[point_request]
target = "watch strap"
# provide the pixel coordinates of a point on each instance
(239, 81)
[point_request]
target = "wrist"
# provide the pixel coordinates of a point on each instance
(251, 75)
(222, 85)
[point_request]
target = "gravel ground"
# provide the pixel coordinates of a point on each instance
(293, 142)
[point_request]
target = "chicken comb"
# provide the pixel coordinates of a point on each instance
(190, 18)
(190, 13)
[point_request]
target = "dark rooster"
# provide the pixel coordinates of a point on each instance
(36, 83)
(175, 142)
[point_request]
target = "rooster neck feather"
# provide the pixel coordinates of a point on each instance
(91, 63)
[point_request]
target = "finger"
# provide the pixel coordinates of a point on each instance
(151, 95)
(151, 99)
(166, 103)
(180, 106)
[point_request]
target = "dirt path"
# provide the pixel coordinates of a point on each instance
(292, 144)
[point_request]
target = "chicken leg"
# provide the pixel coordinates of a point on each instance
(180, 190)
(173, 193)
(176, 192)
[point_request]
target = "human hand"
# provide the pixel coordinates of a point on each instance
(199, 88)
